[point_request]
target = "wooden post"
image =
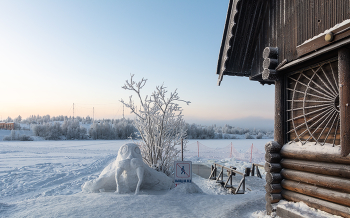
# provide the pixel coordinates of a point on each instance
(253, 169)
(344, 99)
(198, 147)
(279, 111)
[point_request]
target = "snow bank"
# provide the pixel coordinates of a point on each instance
(303, 210)
(327, 148)
(186, 188)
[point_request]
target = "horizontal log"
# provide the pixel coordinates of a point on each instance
(269, 74)
(287, 213)
(273, 178)
(270, 52)
(270, 63)
(273, 188)
(272, 157)
(330, 182)
(272, 198)
(317, 192)
(331, 169)
(273, 167)
(327, 206)
(272, 147)
(313, 152)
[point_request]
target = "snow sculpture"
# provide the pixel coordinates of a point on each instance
(128, 173)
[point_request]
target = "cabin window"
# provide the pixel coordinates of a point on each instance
(312, 104)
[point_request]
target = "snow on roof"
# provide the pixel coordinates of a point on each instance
(326, 31)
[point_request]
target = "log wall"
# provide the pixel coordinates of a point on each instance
(318, 179)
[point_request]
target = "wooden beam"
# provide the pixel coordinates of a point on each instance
(272, 147)
(330, 182)
(344, 99)
(273, 167)
(327, 206)
(319, 42)
(279, 111)
(272, 157)
(331, 169)
(272, 198)
(317, 192)
(322, 51)
(270, 63)
(273, 178)
(273, 188)
(230, 169)
(270, 52)
(292, 151)
(284, 212)
(269, 74)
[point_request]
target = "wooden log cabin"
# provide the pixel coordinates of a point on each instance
(303, 48)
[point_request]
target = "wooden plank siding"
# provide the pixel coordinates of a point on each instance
(275, 23)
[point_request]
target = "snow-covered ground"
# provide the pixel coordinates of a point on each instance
(44, 179)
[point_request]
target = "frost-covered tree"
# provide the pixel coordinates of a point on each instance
(260, 135)
(160, 123)
(18, 119)
(9, 119)
(15, 136)
(73, 130)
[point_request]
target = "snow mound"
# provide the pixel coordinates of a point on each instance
(124, 175)
(186, 188)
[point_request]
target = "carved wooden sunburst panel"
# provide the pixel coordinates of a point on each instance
(313, 105)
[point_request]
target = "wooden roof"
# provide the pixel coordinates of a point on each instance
(253, 25)
(239, 39)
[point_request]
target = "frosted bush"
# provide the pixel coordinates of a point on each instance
(160, 123)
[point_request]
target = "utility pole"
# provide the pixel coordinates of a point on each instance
(93, 114)
(73, 112)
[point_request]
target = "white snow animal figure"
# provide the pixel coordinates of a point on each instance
(127, 173)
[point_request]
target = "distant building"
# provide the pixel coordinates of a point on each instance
(8, 126)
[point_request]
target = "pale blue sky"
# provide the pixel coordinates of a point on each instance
(56, 53)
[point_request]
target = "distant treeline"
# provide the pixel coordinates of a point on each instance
(63, 127)
(195, 131)
(116, 129)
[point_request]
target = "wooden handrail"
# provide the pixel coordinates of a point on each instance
(259, 165)
(232, 170)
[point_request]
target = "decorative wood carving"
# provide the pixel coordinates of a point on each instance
(313, 105)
